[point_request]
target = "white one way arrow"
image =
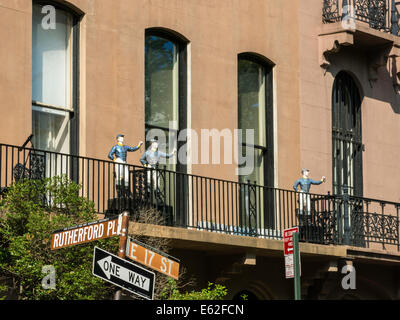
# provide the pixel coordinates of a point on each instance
(112, 269)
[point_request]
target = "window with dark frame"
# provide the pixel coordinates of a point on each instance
(347, 146)
(255, 112)
(165, 88)
(166, 110)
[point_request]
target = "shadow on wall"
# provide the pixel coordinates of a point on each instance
(378, 82)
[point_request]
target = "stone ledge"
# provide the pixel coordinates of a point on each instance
(235, 244)
(212, 241)
(372, 254)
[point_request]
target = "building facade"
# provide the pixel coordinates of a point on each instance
(316, 82)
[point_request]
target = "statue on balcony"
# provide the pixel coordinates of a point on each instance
(305, 184)
(118, 154)
(152, 155)
(150, 160)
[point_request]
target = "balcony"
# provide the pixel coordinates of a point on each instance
(368, 26)
(381, 15)
(213, 205)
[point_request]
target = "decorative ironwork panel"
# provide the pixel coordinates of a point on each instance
(390, 226)
(37, 166)
(34, 170)
(374, 227)
(358, 229)
(371, 11)
(252, 208)
(20, 172)
(160, 187)
(140, 193)
(327, 221)
(249, 206)
(330, 11)
(394, 18)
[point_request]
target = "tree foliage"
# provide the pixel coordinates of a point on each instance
(212, 292)
(32, 210)
(29, 213)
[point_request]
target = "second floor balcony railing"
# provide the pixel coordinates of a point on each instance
(216, 205)
(381, 15)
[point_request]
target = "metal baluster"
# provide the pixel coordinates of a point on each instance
(203, 203)
(215, 203)
(394, 19)
(383, 224)
(346, 216)
(397, 226)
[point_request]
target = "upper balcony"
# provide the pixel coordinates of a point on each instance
(203, 203)
(371, 26)
(381, 15)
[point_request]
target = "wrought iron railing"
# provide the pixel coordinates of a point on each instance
(381, 15)
(204, 203)
(371, 221)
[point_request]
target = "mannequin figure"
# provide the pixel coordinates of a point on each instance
(305, 183)
(118, 154)
(150, 159)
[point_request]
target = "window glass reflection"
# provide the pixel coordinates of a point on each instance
(251, 97)
(161, 82)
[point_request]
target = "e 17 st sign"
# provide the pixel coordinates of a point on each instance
(152, 258)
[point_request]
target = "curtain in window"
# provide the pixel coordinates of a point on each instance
(51, 81)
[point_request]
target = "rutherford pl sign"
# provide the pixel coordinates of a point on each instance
(86, 232)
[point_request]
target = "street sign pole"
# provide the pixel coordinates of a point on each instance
(296, 260)
(122, 244)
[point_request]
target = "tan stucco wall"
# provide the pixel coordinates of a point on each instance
(314, 102)
(112, 81)
(112, 69)
(15, 71)
(217, 32)
(380, 111)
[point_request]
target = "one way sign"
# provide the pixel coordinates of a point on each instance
(123, 273)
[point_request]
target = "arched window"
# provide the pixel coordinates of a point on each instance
(166, 109)
(347, 144)
(255, 113)
(165, 84)
(55, 36)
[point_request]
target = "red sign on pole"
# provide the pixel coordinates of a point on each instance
(288, 251)
(288, 240)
